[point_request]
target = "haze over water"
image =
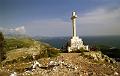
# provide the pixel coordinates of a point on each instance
(108, 41)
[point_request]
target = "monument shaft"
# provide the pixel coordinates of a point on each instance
(73, 18)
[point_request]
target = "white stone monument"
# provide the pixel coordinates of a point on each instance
(76, 43)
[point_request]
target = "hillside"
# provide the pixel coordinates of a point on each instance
(28, 57)
(25, 49)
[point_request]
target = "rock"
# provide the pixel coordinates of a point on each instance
(76, 68)
(35, 64)
(52, 63)
(55, 68)
(116, 73)
(98, 56)
(13, 74)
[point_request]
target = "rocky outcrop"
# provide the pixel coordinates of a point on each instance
(98, 56)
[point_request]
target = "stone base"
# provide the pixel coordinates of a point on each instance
(76, 43)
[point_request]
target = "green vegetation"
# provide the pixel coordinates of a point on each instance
(13, 43)
(52, 52)
(23, 50)
(2, 51)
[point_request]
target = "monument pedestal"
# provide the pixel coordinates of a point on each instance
(76, 43)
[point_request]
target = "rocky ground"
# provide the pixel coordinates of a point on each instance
(66, 64)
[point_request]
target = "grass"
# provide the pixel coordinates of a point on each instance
(14, 43)
(23, 49)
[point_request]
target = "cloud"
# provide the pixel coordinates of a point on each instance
(101, 21)
(18, 30)
(49, 27)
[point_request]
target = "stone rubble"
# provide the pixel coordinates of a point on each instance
(116, 73)
(51, 67)
(13, 74)
(98, 56)
(70, 64)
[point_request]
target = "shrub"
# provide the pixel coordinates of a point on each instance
(52, 52)
(2, 51)
(79, 50)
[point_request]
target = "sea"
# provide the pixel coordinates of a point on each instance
(102, 41)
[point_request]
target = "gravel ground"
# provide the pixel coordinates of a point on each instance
(69, 64)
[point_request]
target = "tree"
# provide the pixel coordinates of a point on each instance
(2, 52)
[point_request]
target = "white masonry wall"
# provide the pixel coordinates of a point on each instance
(76, 43)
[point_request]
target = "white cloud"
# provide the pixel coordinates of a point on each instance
(18, 30)
(101, 21)
(49, 27)
(100, 15)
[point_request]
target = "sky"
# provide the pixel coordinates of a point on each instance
(53, 17)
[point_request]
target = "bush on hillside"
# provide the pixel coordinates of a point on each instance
(52, 52)
(2, 51)
(79, 50)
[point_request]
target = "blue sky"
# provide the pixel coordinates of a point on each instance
(52, 17)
